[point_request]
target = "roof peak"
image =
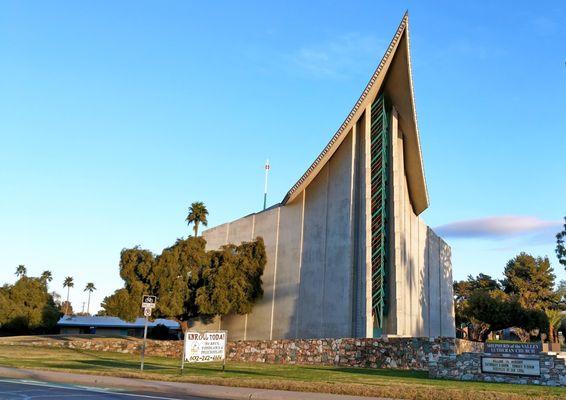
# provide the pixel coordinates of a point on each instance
(419, 191)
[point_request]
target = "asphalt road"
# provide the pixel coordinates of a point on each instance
(23, 389)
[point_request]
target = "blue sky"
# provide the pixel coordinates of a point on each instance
(115, 116)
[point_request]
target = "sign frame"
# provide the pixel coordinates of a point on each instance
(149, 301)
(531, 349)
(183, 355)
(483, 371)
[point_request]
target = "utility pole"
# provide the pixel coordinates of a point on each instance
(265, 189)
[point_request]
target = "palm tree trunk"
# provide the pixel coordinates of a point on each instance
(196, 228)
(67, 304)
(88, 304)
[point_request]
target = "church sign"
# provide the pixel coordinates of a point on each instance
(512, 366)
(205, 346)
(513, 348)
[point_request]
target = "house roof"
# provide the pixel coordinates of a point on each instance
(113, 322)
(393, 74)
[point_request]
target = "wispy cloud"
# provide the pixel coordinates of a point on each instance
(499, 227)
(339, 57)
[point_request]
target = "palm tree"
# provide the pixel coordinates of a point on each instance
(68, 283)
(46, 276)
(197, 215)
(90, 288)
(21, 271)
(554, 321)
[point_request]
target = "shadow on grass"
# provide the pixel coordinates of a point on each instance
(383, 373)
(229, 370)
(133, 365)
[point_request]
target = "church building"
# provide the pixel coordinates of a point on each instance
(347, 253)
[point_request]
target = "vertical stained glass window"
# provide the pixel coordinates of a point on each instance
(379, 147)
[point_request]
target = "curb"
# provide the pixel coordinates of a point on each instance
(170, 388)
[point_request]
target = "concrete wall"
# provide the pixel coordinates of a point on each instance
(421, 299)
(317, 281)
(308, 281)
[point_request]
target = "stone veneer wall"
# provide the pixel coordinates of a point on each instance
(467, 367)
(468, 346)
(405, 353)
(131, 345)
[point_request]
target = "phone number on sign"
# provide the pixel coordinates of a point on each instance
(205, 358)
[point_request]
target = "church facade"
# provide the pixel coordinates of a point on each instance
(347, 253)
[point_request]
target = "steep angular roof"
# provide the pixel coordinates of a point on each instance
(393, 75)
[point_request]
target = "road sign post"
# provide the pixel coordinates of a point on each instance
(183, 356)
(143, 345)
(148, 304)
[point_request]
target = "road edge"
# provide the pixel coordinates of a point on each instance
(168, 388)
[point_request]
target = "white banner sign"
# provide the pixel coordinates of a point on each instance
(513, 366)
(205, 346)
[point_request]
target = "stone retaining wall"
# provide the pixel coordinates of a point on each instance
(405, 353)
(467, 367)
(165, 348)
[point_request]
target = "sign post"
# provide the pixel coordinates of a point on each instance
(205, 347)
(148, 304)
(183, 356)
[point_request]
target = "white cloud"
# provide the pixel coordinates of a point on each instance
(342, 56)
(498, 227)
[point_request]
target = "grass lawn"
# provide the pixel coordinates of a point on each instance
(355, 381)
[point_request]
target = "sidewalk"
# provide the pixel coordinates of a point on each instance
(173, 389)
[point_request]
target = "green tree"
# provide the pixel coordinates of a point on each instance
(137, 272)
(46, 276)
(27, 307)
(89, 288)
(561, 292)
(6, 305)
(463, 290)
(498, 310)
(68, 283)
(197, 215)
(554, 321)
(136, 269)
(21, 271)
(190, 282)
(531, 280)
(120, 304)
(560, 245)
(177, 277)
(67, 308)
(232, 279)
